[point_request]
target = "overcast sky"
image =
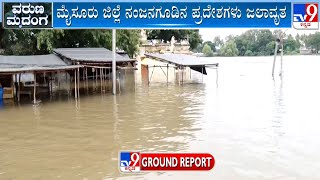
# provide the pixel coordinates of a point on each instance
(209, 34)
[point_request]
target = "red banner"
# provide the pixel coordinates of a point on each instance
(176, 161)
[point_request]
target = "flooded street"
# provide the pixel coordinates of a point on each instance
(254, 126)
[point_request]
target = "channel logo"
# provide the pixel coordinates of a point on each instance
(134, 162)
(306, 16)
(130, 162)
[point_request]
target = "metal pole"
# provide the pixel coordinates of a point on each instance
(275, 57)
(114, 86)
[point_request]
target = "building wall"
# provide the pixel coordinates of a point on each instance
(164, 47)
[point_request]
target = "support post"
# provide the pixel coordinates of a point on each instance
(281, 59)
(34, 87)
(19, 87)
(274, 58)
(179, 75)
(119, 81)
(148, 74)
(182, 72)
(78, 82)
(202, 74)
(167, 73)
(217, 75)
(75, 84)
(51, 84)
(101, 79)
(114, 87)
(87, 82)
(96, 69)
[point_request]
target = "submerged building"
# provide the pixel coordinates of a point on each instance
(69, 68)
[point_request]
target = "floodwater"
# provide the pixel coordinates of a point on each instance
(255, 127)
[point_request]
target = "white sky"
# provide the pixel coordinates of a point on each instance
(209, 34)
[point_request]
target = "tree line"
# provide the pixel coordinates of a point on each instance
(250, 43)
(36, 42)
(258, 43)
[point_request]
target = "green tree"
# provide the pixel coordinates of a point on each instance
(270, 47)
(1, 36)
(218, 41)
(313, 41)
(211, 44)
(291, 45)
(229, 49)
(206, 50)
(29, 42)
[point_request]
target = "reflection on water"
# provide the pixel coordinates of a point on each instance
(256, 127)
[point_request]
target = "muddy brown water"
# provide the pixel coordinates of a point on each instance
(255, 127)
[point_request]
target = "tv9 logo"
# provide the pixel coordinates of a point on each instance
(129, 161)
(306, 16)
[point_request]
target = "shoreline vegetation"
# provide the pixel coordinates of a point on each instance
(250, 43)
(259, 43)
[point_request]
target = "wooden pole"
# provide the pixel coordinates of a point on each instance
(167, 73)
(75, 84)
(34, 87)
(119, 82)
(101, 79)
(87, 83)
(51, 83)
(96, 77)
(19, 87)
(103, 82)
(78, 83)
(182, 73)
(148, 74)
(179, 75)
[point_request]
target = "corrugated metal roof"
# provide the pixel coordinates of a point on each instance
(16, 68)
(39, 60)
(182, 59)
(90, 54)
